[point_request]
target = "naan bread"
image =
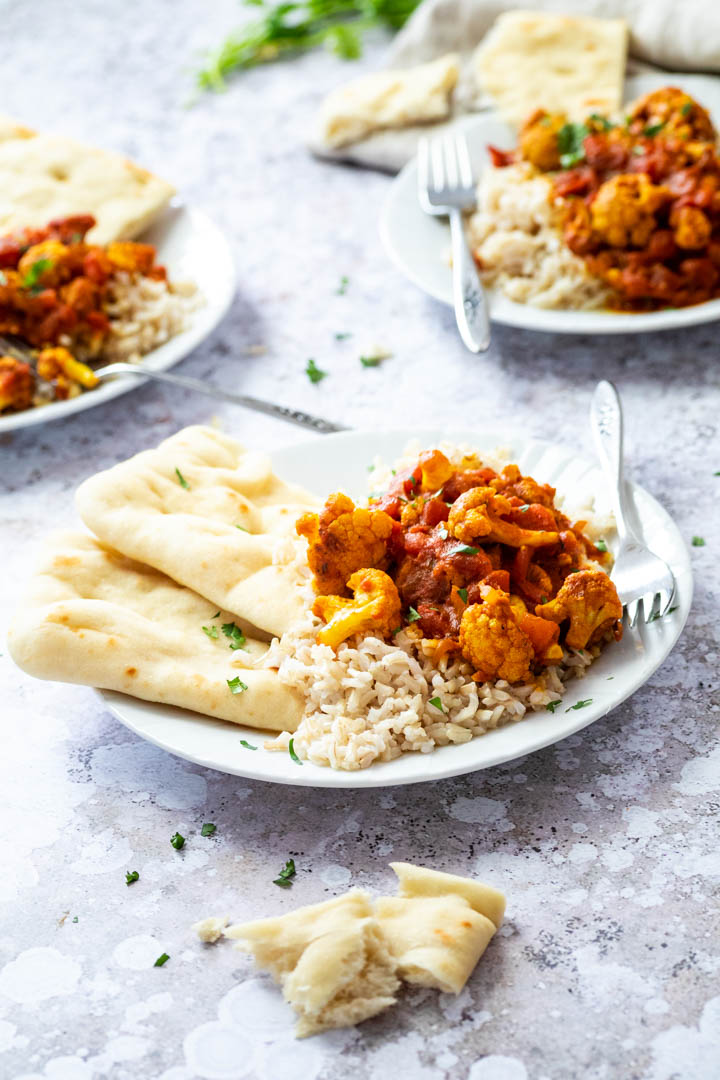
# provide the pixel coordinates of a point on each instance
(211, 929)
(563, 63)
(435, 940)
(93, 616)
(141, 508)
(389, 99)
(418, 881)
(43, 177)
(330, 959)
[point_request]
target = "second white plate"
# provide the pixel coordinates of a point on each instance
(341, 461)
(419, 244)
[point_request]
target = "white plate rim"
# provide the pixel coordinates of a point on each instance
(524, 316)
(445, 765)
(205, 320)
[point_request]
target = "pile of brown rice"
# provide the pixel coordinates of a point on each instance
(145, 313)
(372, 700)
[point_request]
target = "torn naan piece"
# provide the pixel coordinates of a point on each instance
(210, 515)
(419, 881)
(95, 617)
(330, 959)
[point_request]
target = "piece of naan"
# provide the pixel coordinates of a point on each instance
(45, 176)
(419, 881)
(210, 515)
(330, 959)
(95, 617)
(572, 64)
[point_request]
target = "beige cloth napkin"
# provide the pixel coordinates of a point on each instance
(679, 35)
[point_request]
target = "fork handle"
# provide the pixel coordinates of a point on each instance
(471, 308)
(607, 426)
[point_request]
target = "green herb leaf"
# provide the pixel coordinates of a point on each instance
(464, 549)
(601, 545)
(313, 372)
(524, 509)
(291, 752)
(342, 287)
(208, 829)
(413, 615)
(215, 615)
(697, 541)
(181, 479)
(284, 878)
(552, 705)
(75, 918)
(653, 129)
(370, 361)
(436, 704)
(543, 599)
(236, 685)
(396, 630)
(242, 529)
(686, 109)
(211, 631)
(130, 876)
(3, 277)
(462, 593)
(570, 144)
(162, 959)
(656, 614)
(247, 745)
(177, 841)
(717, 473)
(580, 704)
(342, 335)
(36, 271)
(601, 121)
(345, 42)
(237, 638)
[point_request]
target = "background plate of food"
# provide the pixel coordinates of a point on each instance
(565, 242)
(208, 602)
(99, 262)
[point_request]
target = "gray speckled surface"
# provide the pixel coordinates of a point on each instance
(608, 965)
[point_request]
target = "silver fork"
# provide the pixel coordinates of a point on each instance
(643, 580)
(445, 189)
(269, 408)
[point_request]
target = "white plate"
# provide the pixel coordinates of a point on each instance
(341, 460)
(192, 248)
(419, 244)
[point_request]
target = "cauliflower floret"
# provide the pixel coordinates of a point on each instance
(343, 538)
(17, 384)
(672, 112)
(623, 211)
(512, 482)
(44, 265)
(54, 361)
(691, 227)
(131, 257)
(475, 515)
(538, 139)
(436, 470)
(589, 599)
(492, 641)
(375, 607)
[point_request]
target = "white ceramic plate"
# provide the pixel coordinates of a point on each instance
(341, 460)
(192, 248)
(419, 244)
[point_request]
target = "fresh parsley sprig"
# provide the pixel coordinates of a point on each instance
(284, 878)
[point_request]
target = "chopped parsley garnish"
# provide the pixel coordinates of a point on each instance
(36, 271)
(570, 144)
(215, 615)
(697, 541)
(601, 121)
(130, 876)
(552, 705)
(436, 703)
(291, 752)
(653, 129)
(75, 918)
(580, 704)
(342, 287)
(313, 372)
(717, 473)
(601, 545)
(242, 529)
(208, 829)
(340, 336)
(371, 468)
(656, 614)
(396, 630)
(181, 479)
(442, 531)
(162, 959)
(370, 361)
(247, 745)
(3, 278)
(462, 593)
(237, 638)
(524, 509)
(236, 685)
(464, 549)
(284, 878)
(177, 841)
(211, 631)
(686, 109)
(413, 615)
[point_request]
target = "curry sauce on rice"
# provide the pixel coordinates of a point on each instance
(456, 600)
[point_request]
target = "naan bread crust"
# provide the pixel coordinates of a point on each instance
(94, 617)
(141, 508)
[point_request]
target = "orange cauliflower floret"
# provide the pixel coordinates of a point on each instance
(691, 227)
(436, 470)
(512, 482)
(17, 384)
(539, 139)
(375, 607)
(590, 601)
(475, 515)
(341, 539)
(59, 360)
(672, 112)
(44, 265)
(492, 641)
(623, 211)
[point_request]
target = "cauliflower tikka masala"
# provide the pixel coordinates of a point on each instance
(640, 197)
(481, 563)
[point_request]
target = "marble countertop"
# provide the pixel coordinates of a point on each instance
(606, 844)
